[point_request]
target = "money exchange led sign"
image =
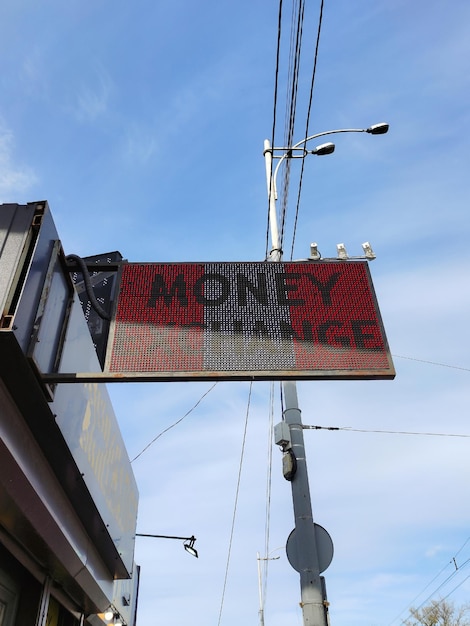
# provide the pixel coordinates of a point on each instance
(248, 320)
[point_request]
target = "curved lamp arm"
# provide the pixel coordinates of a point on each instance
(375, 129)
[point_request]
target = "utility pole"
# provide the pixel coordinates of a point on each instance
(260, 583)
(260, 592)
(312, 601)
(304, 542)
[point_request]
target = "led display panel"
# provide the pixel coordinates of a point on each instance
(246, 321)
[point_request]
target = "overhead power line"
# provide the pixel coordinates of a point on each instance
(383, 432)
(312, 83)
(269, 464)
(175, 423)
(451, 562)
(276, 87)
(291, 101)
(448, 579)
(397, 356)
(410, 358)
(235, 506)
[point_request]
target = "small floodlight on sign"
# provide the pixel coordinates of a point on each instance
(370, 254)
(315, 254)
(342, 253)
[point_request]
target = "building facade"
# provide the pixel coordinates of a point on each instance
(68, 497)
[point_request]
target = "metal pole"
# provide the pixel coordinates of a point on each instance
(312, 601)
(311, 589)
(276, 252)
(260, 592)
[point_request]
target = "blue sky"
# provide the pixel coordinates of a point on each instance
(143, 124)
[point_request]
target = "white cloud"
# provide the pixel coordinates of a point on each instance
(94, 95)
(140, 144)
(433, 550)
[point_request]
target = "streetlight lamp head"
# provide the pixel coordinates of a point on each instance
(324, 148)
(189, 547)
(378, 129)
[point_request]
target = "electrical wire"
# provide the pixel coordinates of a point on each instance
(383, 432)
(175, 423)
(237, 493)
(276, 87)
(465, 369)
(460, 549)
(268, 493)
(292, 88)
(455, 588)
(410, 358)
(312, 83)
(291, 104)
(448, 579)
(419, 594)
(452, 561)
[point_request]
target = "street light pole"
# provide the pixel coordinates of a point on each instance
(299, 151)
(260, 592)
(260, 582)
(313, 600)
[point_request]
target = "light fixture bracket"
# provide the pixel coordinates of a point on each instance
(189, 547)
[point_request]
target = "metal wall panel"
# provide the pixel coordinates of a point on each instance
(15, 223)
(35, 275)
(52, 314)
(87, 422)
(36, 513)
